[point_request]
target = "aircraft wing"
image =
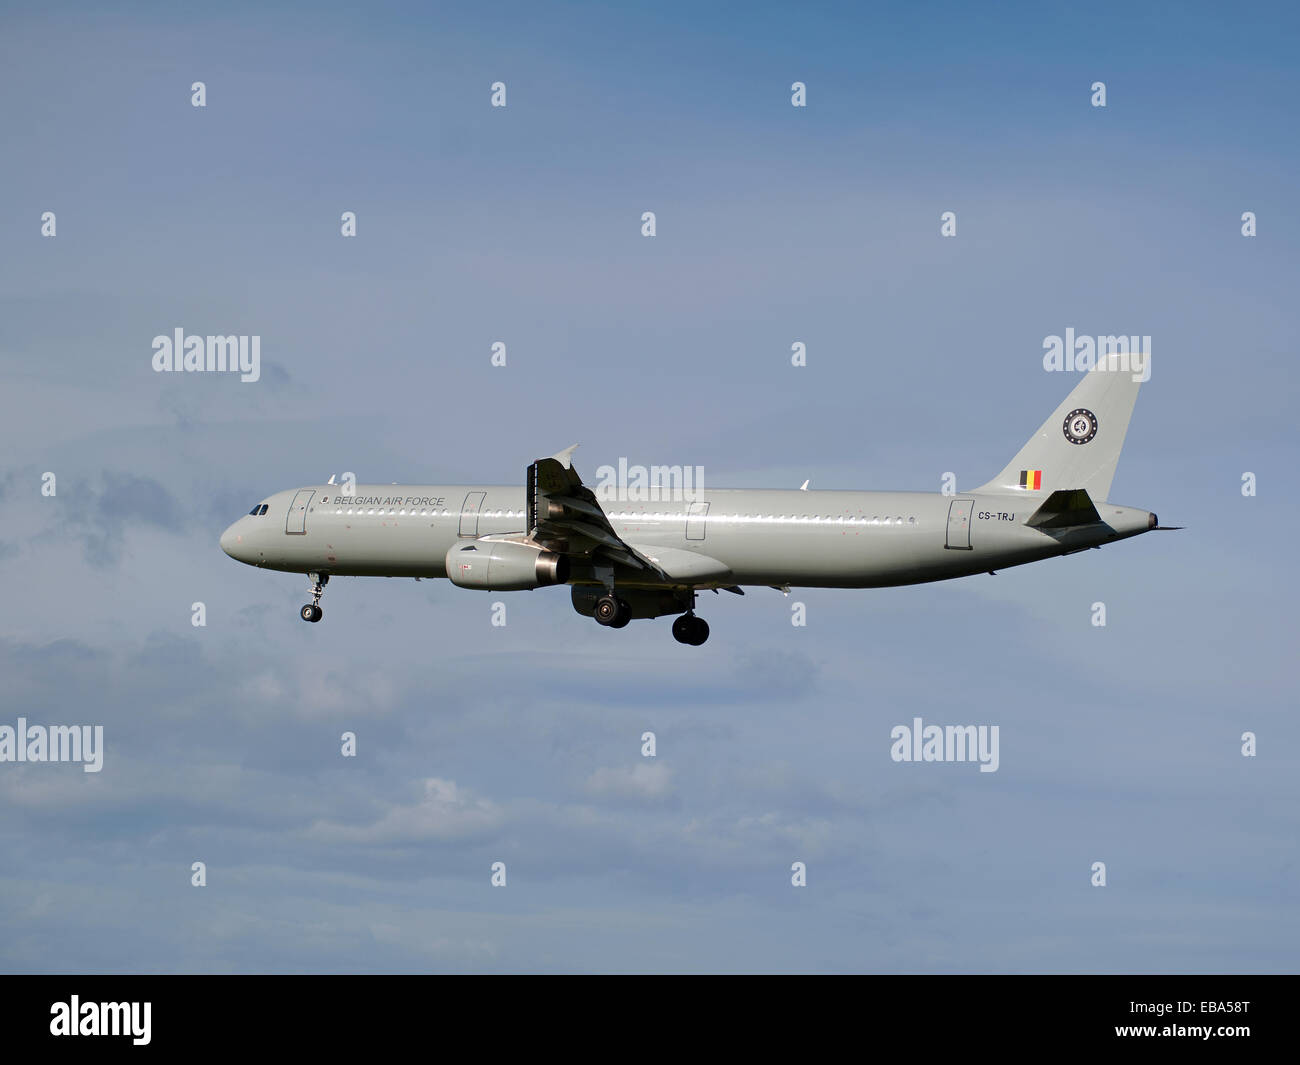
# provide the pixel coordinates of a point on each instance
(1065, 510)
(564, 516)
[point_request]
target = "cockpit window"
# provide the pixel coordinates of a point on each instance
(261, 508)
(255, 510)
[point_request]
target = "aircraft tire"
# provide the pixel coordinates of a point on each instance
(699, 631)
(611, 611)
(689, 629)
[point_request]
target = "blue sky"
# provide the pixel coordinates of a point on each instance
(522, 744)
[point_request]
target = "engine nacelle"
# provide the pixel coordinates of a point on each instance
(504, 566)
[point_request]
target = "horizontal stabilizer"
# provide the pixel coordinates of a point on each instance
(1064, 510)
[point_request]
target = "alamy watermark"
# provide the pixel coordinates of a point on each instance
(946, 743)
(53, 743)
(102, 1018)
(1071, 353)
(211, 354)
(648, 484)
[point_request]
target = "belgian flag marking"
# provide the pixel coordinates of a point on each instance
(1031, 480)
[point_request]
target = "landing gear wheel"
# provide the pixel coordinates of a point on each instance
(691, 630)
(312, 611)
(699, 631)
(612, 611)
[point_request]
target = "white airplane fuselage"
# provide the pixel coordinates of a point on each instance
(824, 539)
(627, 556)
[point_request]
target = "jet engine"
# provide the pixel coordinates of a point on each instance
(504, 566)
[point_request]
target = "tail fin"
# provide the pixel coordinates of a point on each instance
(1079, 445)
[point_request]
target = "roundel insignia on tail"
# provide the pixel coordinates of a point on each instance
(1080, 426)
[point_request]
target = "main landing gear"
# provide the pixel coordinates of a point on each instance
(690, 630)
(312, 611)
(612, 611)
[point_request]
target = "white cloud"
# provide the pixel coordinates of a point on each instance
(645, 780)
(445, 811)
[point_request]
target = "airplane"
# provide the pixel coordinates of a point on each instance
(627, 559)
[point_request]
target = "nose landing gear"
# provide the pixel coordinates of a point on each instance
(312, 611)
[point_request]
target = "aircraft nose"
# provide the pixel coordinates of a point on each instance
(230, 542)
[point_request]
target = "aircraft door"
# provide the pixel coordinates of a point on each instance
(959, 525)
(469, 513)
(695, 520)
(296, 522)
